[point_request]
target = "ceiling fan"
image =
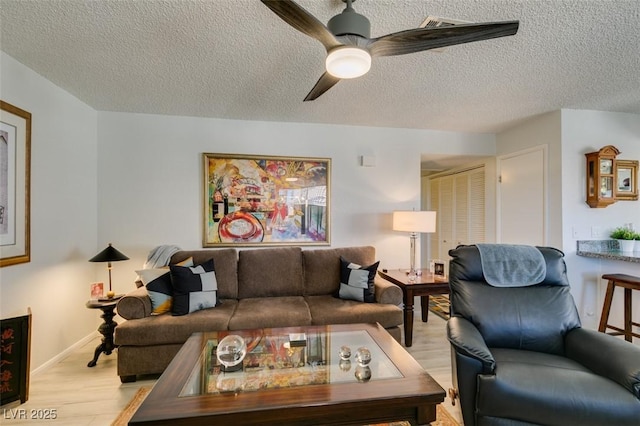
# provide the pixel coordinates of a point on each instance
(349, 47)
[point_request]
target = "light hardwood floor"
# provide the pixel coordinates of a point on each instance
(94, 396)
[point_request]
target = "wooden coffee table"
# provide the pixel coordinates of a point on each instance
(424, 285)
(283, 383)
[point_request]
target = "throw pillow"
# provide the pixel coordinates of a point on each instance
(356, 281)
(158, 283)
(194, 288)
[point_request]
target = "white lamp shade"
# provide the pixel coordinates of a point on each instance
(348, 62)
(412, 221)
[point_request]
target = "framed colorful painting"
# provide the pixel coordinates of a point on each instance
(252, 200)
(15, 168)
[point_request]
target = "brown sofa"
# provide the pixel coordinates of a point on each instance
(259, 288)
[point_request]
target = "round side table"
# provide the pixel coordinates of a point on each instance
(107, 328)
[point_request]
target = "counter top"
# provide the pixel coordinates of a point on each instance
(606, 249)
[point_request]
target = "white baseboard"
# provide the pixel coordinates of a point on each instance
(62, 355)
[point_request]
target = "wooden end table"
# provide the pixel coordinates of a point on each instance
(424, 285)
(107, 328)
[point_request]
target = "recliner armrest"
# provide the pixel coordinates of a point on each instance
(607, 356)
(466, 339)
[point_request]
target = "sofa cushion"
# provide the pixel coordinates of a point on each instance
(356, 281)
(226, 261)
(194, 288)
(169, 329)
(268, 312)
(331, 310)
(269, 273)
(322, 267)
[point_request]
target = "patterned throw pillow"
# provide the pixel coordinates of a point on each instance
(356, 282)
(158, 283)
(194, 288)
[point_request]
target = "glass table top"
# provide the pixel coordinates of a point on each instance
(278, 360)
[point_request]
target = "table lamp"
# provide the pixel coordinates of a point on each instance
(110, 254)
(414, 222)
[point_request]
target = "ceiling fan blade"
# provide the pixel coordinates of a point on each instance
(298, 17)
(326, 82)
(420, 39)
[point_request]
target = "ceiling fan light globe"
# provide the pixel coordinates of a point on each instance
(348, 62)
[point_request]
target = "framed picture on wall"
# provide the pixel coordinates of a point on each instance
(626, 185)
(252, 200)
(15, 171)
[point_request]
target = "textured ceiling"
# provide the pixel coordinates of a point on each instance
(236, 59)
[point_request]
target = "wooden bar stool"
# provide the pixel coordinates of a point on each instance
(628, 282)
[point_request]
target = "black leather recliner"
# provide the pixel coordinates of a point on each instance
(521, 357)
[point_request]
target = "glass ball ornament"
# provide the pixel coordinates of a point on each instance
(363, 356)
(345, 365)
(345, 352)
(231, 351)
(363, 373)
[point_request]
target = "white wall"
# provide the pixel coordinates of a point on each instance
(569, 135)
(538, 131)
(584, 132)
(150, 178)
(136, 180)
(55, 284)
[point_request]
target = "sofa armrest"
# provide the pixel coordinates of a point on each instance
(387, 292)
(135, 304)
(467, 340)
(607, 356)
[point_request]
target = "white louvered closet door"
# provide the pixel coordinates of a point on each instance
(461, 210)
(476, 207)
(446, 227)
(459, 200)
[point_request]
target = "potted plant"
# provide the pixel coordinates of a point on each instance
(625, 237)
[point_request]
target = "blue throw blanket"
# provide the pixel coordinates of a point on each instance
(512, 265)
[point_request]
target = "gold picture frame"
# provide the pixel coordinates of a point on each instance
(15, 175)
(252, 200)
(626, 184)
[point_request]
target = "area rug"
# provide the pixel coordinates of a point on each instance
(439, 305)
(443, 418)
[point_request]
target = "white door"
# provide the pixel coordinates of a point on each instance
(522, 198)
